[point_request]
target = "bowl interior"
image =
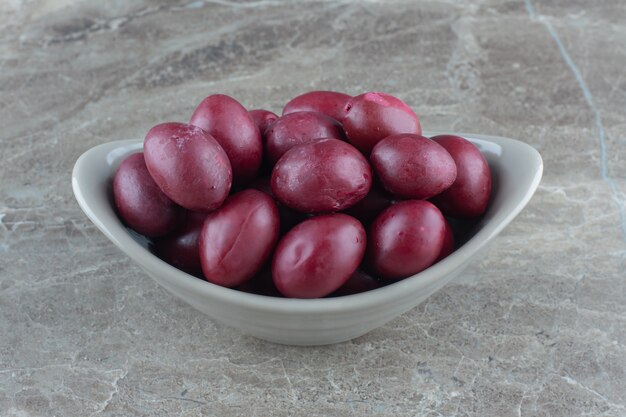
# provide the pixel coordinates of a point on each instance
(516, 171)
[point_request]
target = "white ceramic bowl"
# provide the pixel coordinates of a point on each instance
(516, 169)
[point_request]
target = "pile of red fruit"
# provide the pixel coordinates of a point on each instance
(281, 205)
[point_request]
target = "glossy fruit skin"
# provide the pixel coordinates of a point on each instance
(298, 128)
(405, 239)
(371, 117)
(412, 166)
(263, 119)
(318, 256)
(469, 195)
(235, 130)
(320, 177)
(181, 247)
(188, 165)
(330, 103)
(288, 217)
(448, 242)
(237, 239)
(140, 202)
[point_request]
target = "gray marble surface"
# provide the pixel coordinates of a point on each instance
(537, 327)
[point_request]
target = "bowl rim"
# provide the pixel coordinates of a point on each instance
(354, 302)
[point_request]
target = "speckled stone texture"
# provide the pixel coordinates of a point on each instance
(537, 327)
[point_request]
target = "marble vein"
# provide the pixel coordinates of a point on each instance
(536, 326)
(604, 168)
